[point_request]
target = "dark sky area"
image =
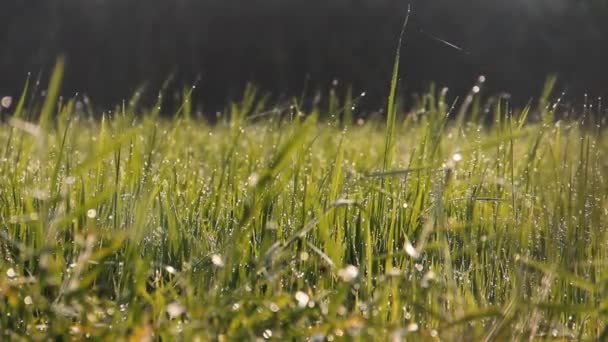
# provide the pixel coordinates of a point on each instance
(284, 46)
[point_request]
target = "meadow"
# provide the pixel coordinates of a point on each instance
(458, 220)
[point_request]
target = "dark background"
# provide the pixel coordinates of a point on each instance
(113, 46)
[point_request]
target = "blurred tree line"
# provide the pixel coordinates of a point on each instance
(287, 46)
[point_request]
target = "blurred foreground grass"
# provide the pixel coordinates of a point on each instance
(446, 223)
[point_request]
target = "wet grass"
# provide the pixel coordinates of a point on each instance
(283, 225)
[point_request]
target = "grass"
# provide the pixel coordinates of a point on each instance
(284, 225)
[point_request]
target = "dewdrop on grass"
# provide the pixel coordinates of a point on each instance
(267, 334)
(217, 260)
(6, 102)
(253, 179)
(411, 250)
(274, 307)
(92, 213)
(11, 273)
(175, 309)
(348, 273)
(302, 298)
(412, 327)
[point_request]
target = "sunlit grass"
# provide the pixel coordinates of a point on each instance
(292, 226)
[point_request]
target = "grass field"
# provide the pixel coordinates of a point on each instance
(453, 222)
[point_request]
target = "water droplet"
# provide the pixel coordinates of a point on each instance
(302, 299)
(411, 250)
(6, 101)
(28, 300)
(267, 334)
(344, 201)
(253, 179)
(11, 273)
(348, 273)
(412, 327)
(217, 260)
(175, 309)
(92, 213)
